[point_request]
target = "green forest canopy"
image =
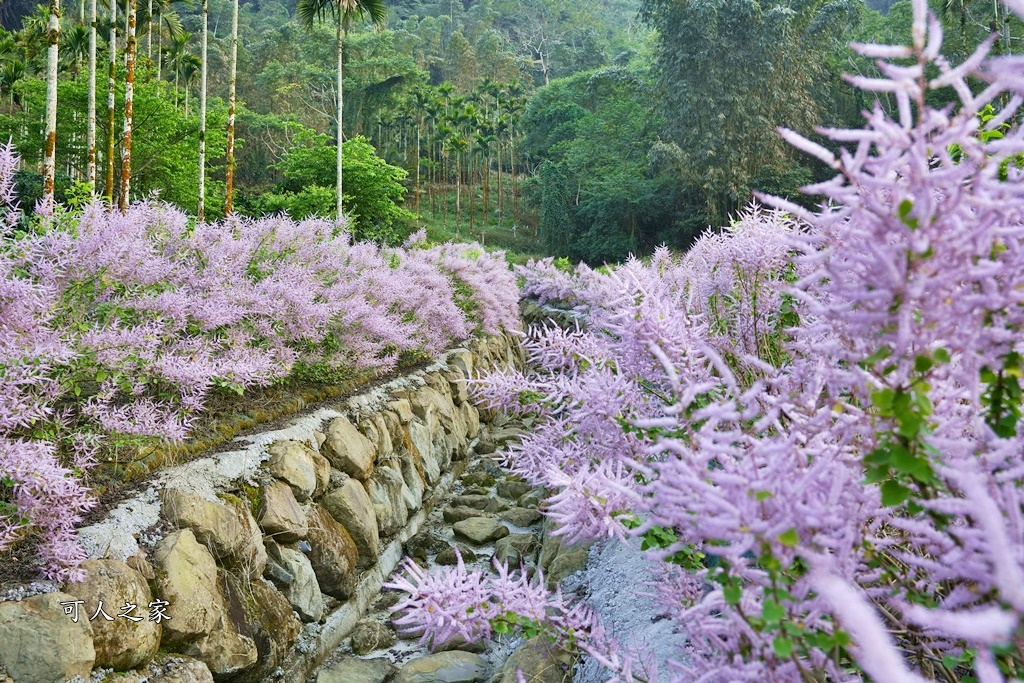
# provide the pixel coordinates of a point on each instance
(590, 129)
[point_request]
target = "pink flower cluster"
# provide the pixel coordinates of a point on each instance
(819, 417)
(114, 322)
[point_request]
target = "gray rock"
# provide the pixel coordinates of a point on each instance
(485, 446)
(179, 669)
(350, 505)
(505, 434)
(348, 450)
(515, 548)
(455, 666)
(568, 561)
(476, 491)
(41, 643)
(448, 557)
(303, 591)
(540, 661)
(385, 491)
(357, 671)
(369, 635)
(458, 514)
(511, 489)
(480, 530)
(292, 462)
(478, 479)
(476, 502)
(533, 499)
(413, 481)
(521, 517)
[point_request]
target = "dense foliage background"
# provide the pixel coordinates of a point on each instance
(591, 129)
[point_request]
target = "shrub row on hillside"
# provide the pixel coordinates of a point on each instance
(126, 323)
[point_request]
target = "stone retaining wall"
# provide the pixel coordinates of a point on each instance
(264, 557)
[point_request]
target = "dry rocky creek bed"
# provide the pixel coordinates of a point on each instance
(487, 515)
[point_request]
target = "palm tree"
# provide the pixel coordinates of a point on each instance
(129, 99)
(166, 18)
(90, 131)
(342, 12)
(50, 146)
(111, 83)
(230, 180)
(75, 48)
(202, 113)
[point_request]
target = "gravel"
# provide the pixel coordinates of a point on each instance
(614, 576)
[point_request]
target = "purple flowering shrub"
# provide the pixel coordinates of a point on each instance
(814, 419)
(117, 323)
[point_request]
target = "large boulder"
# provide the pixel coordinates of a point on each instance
(279, 513)
(229, 648)
(539, 661)
(376, 430)
(350, 505)
(421, 444)
(471, 416)
(292, 462)
(186, 577)
(348, 450)
(386, 497)
(455, 666)
(272, 625)
(43, 644)
(413, 481)
(458, 386)
(429, 400)
(120, 643)
(226, 528)
(334, 554)
(301, 589)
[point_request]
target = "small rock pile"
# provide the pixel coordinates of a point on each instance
(487, 516)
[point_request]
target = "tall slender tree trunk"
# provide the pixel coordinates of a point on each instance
(149, 33)
(229, 194)
(341, 107)
(111, 83)
(90, 130)
(50, 145)
(129, 99)
(202, 115)
(418, 166)
(500, 214)
(160, 51)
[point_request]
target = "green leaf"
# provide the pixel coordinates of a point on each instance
(762, 495)
(789, 538)
(783, 647)
(883, 399)
(894, 493)
(941, 355)
(923, 364)
(732, 593)
(772, 611)
(101, 375)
